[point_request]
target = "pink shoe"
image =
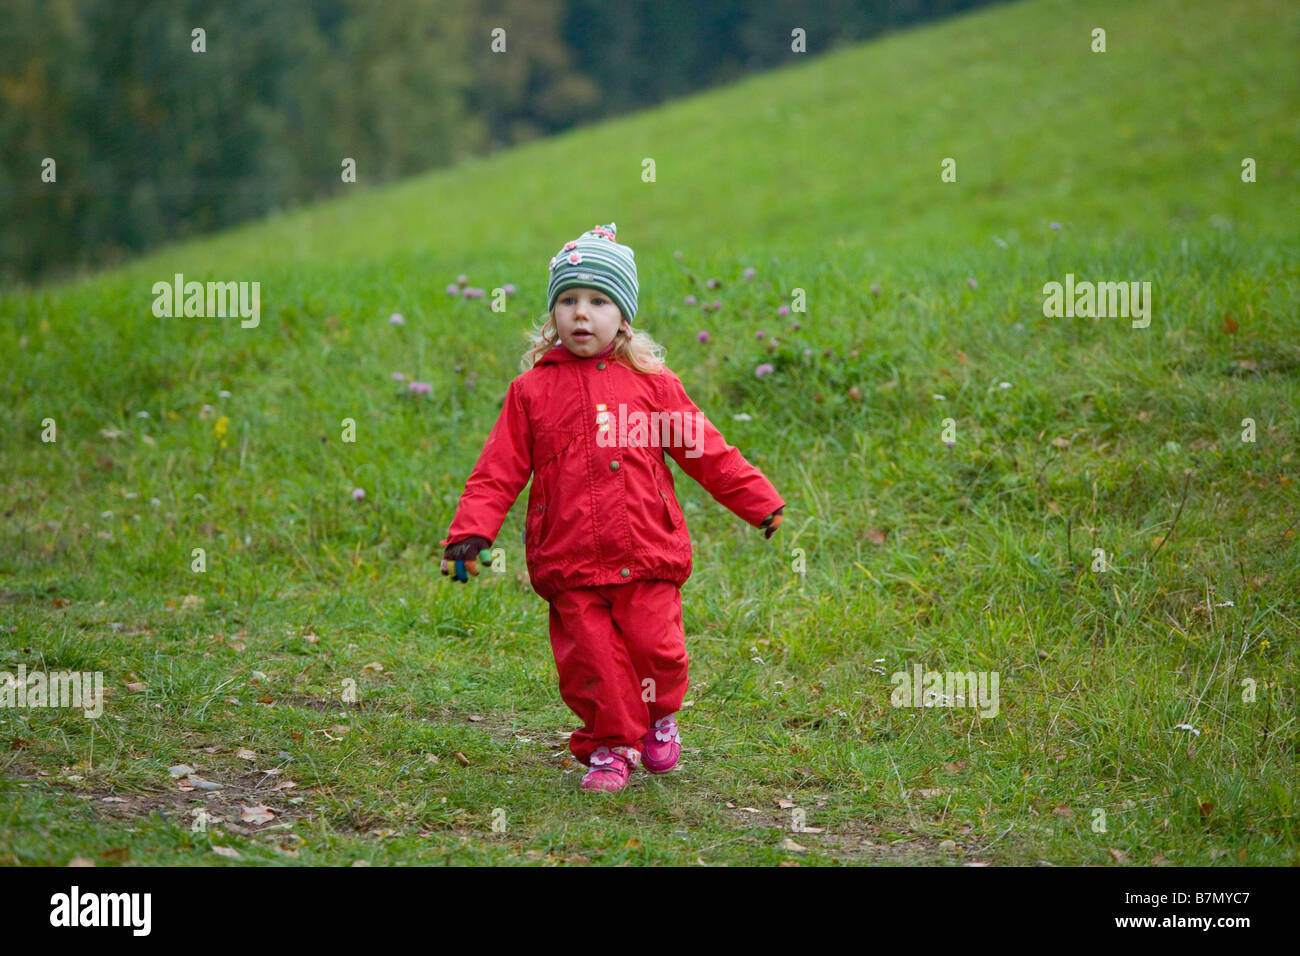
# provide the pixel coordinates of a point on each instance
(611, 768)
(662, 745)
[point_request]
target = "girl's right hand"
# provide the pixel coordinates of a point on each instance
(463, 556)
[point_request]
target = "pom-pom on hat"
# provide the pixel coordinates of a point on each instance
(596, 260)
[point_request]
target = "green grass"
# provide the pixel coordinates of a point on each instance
(824, 177)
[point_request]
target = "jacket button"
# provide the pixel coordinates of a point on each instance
(601, 366)
(613, 466)
(625, 572)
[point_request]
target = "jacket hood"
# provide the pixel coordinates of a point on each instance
(561, 354)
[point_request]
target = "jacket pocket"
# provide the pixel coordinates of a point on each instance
(549, 449)
(664, 487)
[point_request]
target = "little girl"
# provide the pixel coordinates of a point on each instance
(605, 541)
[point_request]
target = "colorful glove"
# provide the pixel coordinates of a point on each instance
(465, 556)
(772, 522)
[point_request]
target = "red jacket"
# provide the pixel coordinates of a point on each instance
(596, 514)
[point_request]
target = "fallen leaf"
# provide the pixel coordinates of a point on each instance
(955, 766)
(1229, 325)
(788, 844)
(1205, 807)
(80, 861)
(785, 804)
(462, 759)
(1119, 856)
(226, 851)
(180, 770)
(191, 600)
(876, 535)
(136, 686)
(633, 844)
(475, 717)
(243, 753)
(1062, 811)
(374, 667)
(1060, 442)
(257, 814)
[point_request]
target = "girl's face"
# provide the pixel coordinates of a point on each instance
(587, 320)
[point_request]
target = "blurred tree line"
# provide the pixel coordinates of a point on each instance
(154, 141)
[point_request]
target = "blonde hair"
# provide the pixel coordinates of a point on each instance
(634, 348)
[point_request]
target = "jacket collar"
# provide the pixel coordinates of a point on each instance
(560, 354)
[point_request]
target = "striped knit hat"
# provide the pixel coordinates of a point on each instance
(596, 260)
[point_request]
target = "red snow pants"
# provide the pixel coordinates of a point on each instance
(620, 651)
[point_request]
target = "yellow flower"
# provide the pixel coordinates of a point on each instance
(220, 426)
(1264, 644)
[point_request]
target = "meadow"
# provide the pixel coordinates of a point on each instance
(1103, 515)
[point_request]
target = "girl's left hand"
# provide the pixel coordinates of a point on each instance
(772, 522)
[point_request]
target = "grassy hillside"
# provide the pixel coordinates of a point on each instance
(924, 303)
